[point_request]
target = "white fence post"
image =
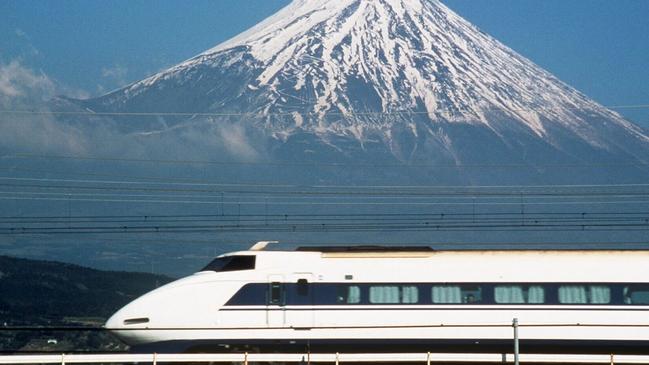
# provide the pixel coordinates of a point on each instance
(516, 348)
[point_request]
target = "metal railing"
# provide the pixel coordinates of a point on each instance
(245, 358)
(331, 358)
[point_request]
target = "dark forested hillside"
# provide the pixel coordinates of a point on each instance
(43, 293)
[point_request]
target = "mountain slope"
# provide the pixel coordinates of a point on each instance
(44, 293)
(407, 80)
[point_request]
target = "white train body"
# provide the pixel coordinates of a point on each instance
(360, 299)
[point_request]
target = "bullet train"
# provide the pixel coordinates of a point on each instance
(346, 299)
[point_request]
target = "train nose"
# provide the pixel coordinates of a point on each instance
(147, 318)
(114, 322)
(127, 324)
(121, 320)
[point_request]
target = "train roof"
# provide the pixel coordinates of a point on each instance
(364, 248)
(423, 251)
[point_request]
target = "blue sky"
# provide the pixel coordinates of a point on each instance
(89, 47)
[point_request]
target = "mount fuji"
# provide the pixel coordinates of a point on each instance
(402, 82)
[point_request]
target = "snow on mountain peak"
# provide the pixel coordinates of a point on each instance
(361, 68)
(296, 19)
(415, 55)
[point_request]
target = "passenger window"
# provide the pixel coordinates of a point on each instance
(275, 293)
(394, 294)
(251, 294)
(519, 294)
(348, 295)
(409, 294)
(582, 294)
(456, 294)
(599, 294)
(636, 294)
(384, 294)
(572, 294)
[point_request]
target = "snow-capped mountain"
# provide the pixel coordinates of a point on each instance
(408, 80)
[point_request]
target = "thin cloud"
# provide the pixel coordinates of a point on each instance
(116, 75)
(237, 142)
(24, 44)
(20, 33)
(22, 88)
(19, 84)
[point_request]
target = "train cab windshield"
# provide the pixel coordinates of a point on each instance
(231, 263)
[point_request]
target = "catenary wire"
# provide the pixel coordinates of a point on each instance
(272, 198)
(546, 216)
(322, 227)
(291, 113)
(517, 190)
(422, 325)
(522, 218)
(316, 203)
(321, 164)
(439, 245)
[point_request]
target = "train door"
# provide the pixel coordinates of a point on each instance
(275, 301)
(300, 313)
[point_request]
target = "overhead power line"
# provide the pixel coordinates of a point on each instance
(323, 164)
(288, 243)
(376, 327)
(337, 199)
(517, 190)
(299, 216)
(440, 113)
(532, 219)
(287, 203)
(333, 227)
